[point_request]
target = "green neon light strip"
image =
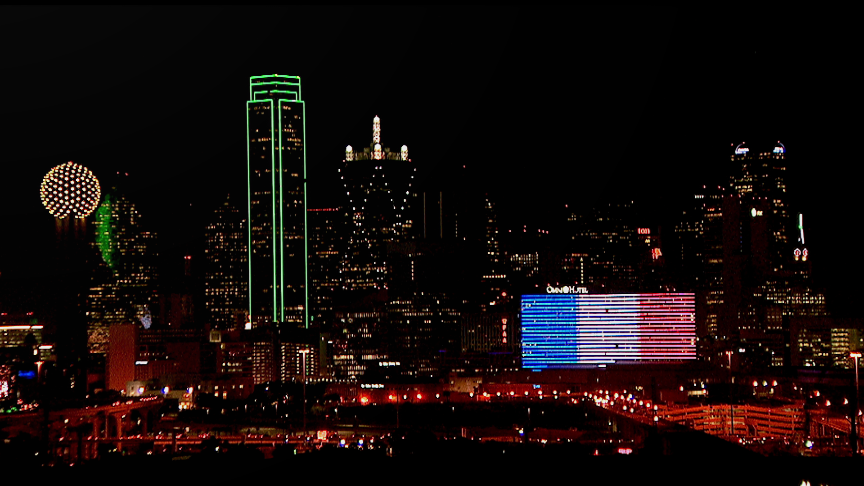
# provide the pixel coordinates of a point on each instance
(276, 83)
(296, 95)
(272, 81)
(249, 211)
(280, 85)
(267, 76)
(267, 92)
(801, 226)
(305, 226)
(288, 83)
(276, 231)
(291, 88)
(281, 221)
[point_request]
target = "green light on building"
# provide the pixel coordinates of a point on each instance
(106, 239)
(276, 180)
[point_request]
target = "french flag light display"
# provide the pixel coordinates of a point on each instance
(566, 330)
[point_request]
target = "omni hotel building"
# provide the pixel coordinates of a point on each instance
(567, 330)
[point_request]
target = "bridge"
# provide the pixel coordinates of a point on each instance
(83, 426)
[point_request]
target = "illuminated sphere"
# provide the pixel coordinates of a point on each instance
(70, 190)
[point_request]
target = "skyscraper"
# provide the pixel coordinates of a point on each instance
(378, 185)
(493, 281)
(124, 289)
(607, 235)
(327, 228)
(226, 284)
(700, 237)
(764, 283)
(276, 174)
(750, 276)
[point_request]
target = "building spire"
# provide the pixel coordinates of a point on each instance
(376, 130)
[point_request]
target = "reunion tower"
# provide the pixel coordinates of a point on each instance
(70, 192)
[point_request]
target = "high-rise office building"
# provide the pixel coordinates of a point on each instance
(700, 264)
(379, 188)
(764, 284)
(226, 255)
(607, 237)
(423, 334)
(494, 284)
(761, 178)
(276, 158)
(745, 251)
(124, 287)
(327, 235)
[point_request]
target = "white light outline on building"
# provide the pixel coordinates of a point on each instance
(376, 130)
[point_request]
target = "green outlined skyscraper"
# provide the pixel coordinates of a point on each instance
(276, 172)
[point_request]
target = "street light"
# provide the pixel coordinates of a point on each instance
(855, 355)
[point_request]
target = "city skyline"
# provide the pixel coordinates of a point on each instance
(596, 246)
(638, 110)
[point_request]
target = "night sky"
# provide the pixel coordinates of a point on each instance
(550, 106)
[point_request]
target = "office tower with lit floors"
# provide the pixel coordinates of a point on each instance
(742, 250)
(604, 239)
(379, 190)
(124, 286)
(699, 236)
(327, 238)
(766, 275)
(276, 162)
(226, 261)
(494, 284)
